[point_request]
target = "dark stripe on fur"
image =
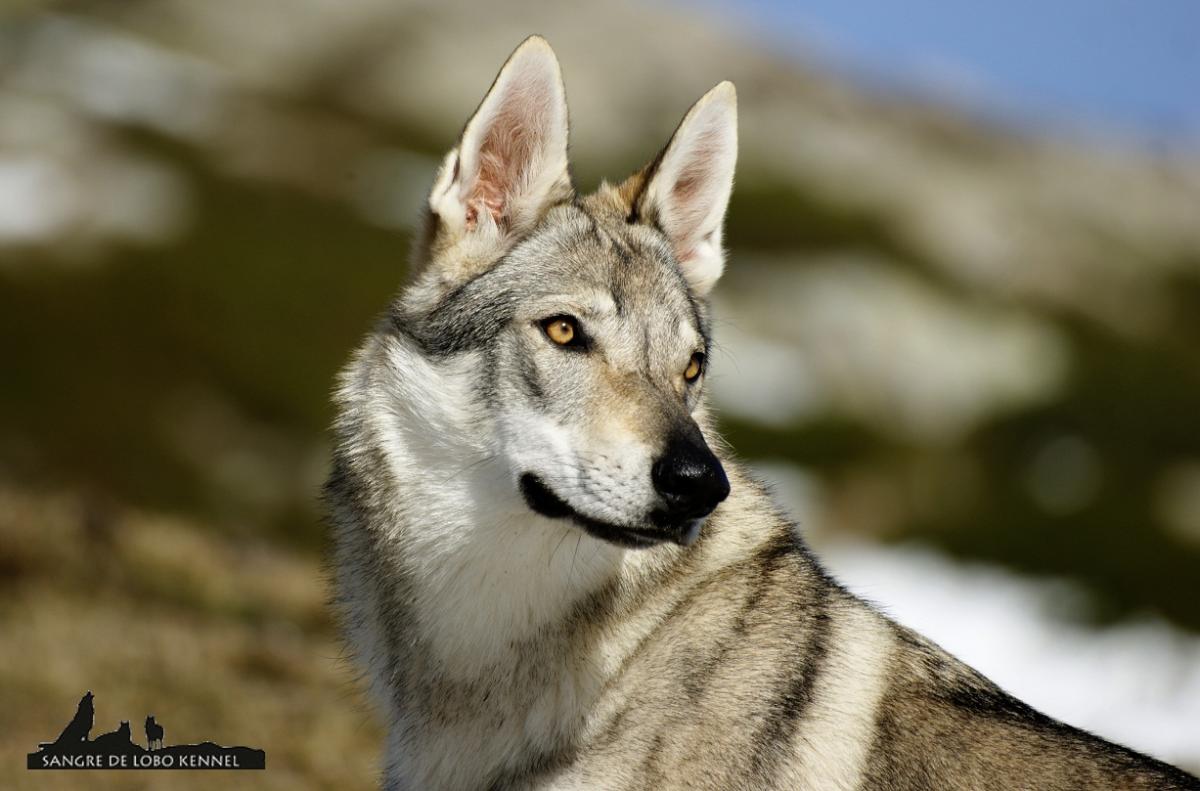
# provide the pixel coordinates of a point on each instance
(795, 695)
(469, 317)
(994, 703)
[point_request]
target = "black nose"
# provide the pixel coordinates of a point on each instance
(689, 478)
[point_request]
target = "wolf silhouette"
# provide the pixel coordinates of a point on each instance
(116, 741)
(80, 726)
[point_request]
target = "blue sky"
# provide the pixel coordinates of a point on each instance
(1114, 66)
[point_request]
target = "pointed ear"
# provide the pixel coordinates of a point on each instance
(511, 163)
(689, 185)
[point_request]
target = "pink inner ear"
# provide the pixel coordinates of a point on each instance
(505, 155)
(690, 204)
(687, 186)
(488, 194)
(688, 207)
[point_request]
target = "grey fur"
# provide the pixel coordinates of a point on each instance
(510, 650)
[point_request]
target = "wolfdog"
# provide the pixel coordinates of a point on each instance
(550, 569)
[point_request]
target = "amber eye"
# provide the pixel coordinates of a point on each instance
(561, 330)
(695, 366)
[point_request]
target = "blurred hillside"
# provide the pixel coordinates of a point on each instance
(947, 331)
(219, 639)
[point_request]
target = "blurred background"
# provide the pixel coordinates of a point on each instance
(959, 330)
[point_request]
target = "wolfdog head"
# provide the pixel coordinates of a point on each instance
(567, 336)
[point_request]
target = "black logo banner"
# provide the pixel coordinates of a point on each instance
(74, 749)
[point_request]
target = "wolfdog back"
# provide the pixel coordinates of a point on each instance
(552, 572)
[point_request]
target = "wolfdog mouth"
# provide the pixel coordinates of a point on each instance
(543, 501)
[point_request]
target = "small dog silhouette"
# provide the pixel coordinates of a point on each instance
(154, 733)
